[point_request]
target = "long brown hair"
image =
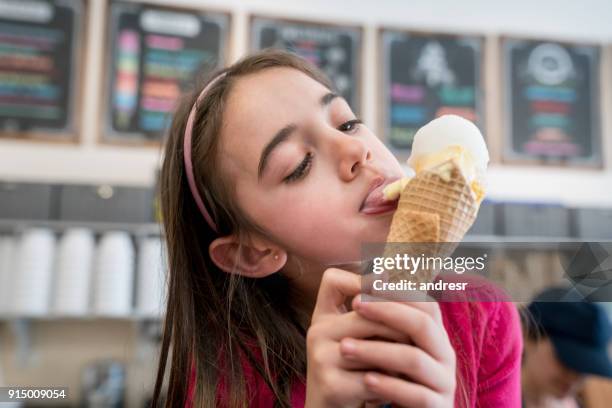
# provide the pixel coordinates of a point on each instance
(211, 313)
(214, 319)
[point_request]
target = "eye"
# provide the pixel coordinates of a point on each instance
(301, 170)
(350, 126)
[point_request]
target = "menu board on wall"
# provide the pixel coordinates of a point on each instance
(426, 75)
(336, 49)
(38, 74)
(157, 53)
(551, 102)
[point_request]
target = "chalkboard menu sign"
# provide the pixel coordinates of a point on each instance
(38, 75)
(336, 49)
(426, 75)
(551, 102)
(157, 53)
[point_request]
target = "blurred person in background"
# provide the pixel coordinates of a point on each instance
(565, 340)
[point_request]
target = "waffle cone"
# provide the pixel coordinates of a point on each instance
(435, 210)
(412, 232)
(443, 191)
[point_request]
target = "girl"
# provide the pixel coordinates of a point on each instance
(264, 188)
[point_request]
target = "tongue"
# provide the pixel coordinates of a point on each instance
(376, 198)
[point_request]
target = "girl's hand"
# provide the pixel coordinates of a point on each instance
(423, 373)
(334, 381)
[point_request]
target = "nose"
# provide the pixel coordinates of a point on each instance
(352, 154)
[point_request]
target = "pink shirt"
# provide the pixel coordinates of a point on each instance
(486, 336)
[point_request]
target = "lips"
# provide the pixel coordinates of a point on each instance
(374, 202)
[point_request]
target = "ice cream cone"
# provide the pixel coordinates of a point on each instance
(409, 225)
(435, 210)
(412, 232)
(444, 191)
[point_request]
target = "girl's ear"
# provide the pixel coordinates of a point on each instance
(255, 260)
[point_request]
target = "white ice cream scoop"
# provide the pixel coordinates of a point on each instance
(447, 131)
(449, 137)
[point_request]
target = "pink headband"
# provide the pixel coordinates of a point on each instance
(187, 155)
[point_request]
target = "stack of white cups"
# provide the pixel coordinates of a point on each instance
(151, 290)
(74, 263)
(33, 274)
(113, 275)
(8, 247)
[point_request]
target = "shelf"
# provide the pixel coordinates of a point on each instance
(10, 225)
(152, 228)
(528, 239)
(85, 318)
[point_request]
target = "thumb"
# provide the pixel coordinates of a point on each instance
(336, 286)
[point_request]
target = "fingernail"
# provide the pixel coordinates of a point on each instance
(348, 346)
(357, 302)
(363, 305)
(372, 379)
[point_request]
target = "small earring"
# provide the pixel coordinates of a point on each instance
(276, 257)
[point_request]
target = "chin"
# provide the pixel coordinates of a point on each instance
(563, 393)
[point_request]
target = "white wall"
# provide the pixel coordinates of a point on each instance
(586, 20)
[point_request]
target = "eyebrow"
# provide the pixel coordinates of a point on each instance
(285, 133)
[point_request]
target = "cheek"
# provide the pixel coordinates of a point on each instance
(553, 368)
(540, 365)
(307, 217)
(383, 155)
(309, 221)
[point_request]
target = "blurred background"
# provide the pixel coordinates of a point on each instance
(87, 88)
